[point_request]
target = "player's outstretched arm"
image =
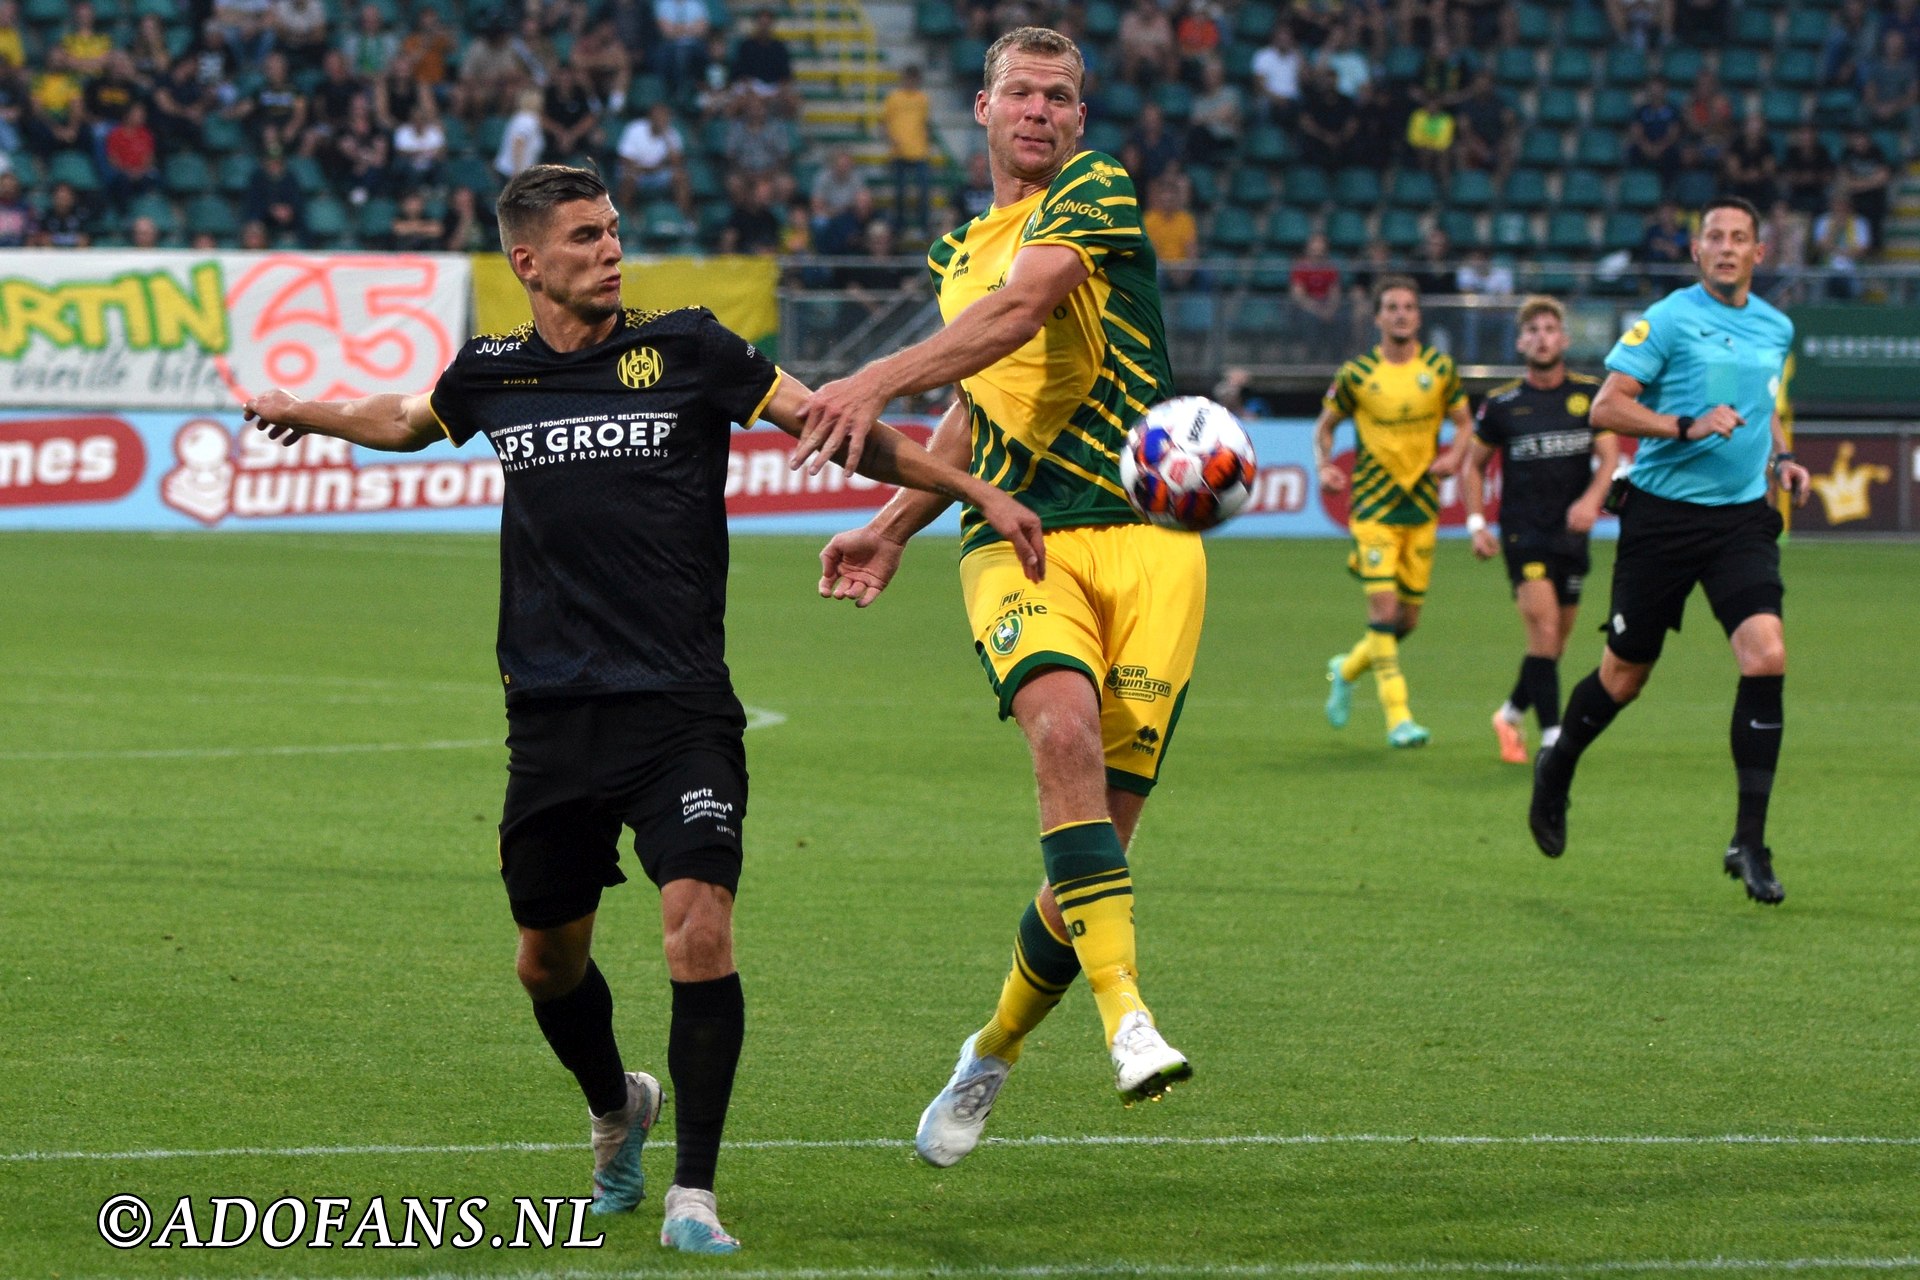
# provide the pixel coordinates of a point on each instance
(1332, 479)
(1617, 408)
(857, 564)
(1473, 496)
(394, 423)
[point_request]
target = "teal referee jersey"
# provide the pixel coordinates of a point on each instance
(1691, 352)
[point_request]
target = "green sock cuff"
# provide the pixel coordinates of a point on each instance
(1083, 849)
(1050, 960)
(1383, 628)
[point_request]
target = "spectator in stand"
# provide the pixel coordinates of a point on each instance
(1148, 53)
(370, 46)
(413, 230)
(973, 194)
(1707, 115)
(1276, 74)
(133, 159)
(879, 287)
(1654, 132)
(13, 44)
(143, 233)
(1350, 68)
(759, 147)
(1841, 239)
(1748, 169)
(1169, 224)
(467, 226)
(84, 44)
(1197, 37)
(846, 231)
(1234, 392)
(1380, 117)
(357, 154)
(905, 114)
(1481, 24)
(274, 198)
(1903, 16)
(1434, 269)
(1218, 119)
(1866, 175)
(682, 51)
(67, 222)
(107, 98)
(419, 147)
(56, 117)
(491, 77)
(1892, 86)
(1849, 43)
(835, 188)
(246, 28)
(534, 52)
(751, 225)
(152, 58)
(276, 111)
(604, 65)
(1666, 244)
(13, 111)
(330, 103)
(1700, 23)
(1313, 20)
(1327, 123)
(1488, 129)
(762, 64)
(1313, 287)
(429, 47)
(1784, 237)
(16, 215)
(796, 238)
(653, 160)
(254, 237)
(1642, 24)
(1807, 171)
(216, 66)
(522, 142)
(1153, 144)
(569, 117)
(1446, 76)
(300, 31)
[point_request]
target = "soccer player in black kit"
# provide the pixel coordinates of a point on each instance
(611, 426)
(1554, 474)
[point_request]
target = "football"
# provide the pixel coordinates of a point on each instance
(1187, 464)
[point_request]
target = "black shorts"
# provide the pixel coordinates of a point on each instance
(1534, 560)
(673, 766)
(1733, 552)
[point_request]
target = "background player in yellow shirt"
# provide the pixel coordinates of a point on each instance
(1397, 395)
(1055, 336)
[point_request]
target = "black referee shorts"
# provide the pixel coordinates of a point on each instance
(672, 766)
(1535, 560)
(1733, 552)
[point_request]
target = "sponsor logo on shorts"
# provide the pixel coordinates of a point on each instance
(700, 805)
(1147, 741)
(1136, 684)
(1006, 635)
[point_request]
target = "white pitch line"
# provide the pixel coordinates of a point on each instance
(1037, 1140)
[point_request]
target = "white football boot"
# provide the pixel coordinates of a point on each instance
(951, 1125)
(1144, 1064)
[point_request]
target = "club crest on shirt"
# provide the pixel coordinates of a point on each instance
(1424, 381)
(1578, 403)
(640, 367)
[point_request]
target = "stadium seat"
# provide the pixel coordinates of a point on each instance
(1512, 232)
(1782, 108)
(965, 57)
(1515, 68)
(460, 137)
(1305, 187)
(1624, 230)
(1895, 145)
(1105, 135)
(157, 207)
(1250, 189)
(1532, 25)
(1639, 189)
(45, 13)
(1270, 145)
(1190, 311)
(1259, 315)
(1571, 67)
(306, 172)
(1545, 148)
(1176, 101)
(1471, 189)
(1254, 23)
(1796, 69)
(1400, 229)
(936, 21)
(1836, 109)
(327, 221)
(1753, 27)
(1600, 149)
(1554, 276)
(1694, 188)
(1526, 189)
(703, 178)
(1462, 228)
(1206, 186)
(473, 173)
(1740, 68)
(1119, 101)
(1270, 277)
(1558, 108)
(1357, 188)
(1567, 232)
(663, 226)
(1232, 230)
(1413, 189)
(488, 133)
(1103, 19)
(1587, 25)
(222, 135)
(1611, 108)
(236, 174)
(187, 174)
(1626, 67)
(1402, 64)
(214, 215)
(1287, 229)
(1680, 65)
(74, 167)
(1806, 28)
(1583, 191)
(374, 220)
(1238, 60)
(1346, 231)
(643, 91)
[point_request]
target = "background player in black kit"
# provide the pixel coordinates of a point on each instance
(611, 426)
(1554, 472)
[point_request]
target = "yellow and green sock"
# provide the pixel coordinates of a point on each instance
(1044, 966)
(1088, 871)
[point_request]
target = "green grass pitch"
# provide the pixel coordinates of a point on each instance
(251, 917)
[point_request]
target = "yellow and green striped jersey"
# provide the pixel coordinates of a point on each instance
(1397, 410)
(1049, 420)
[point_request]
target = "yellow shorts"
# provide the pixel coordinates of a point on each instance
(1393, 557)
(1122, 604)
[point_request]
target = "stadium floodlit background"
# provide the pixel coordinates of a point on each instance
(249, 732)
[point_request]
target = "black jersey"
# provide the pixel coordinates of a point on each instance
(613, 534)
(1546, 447)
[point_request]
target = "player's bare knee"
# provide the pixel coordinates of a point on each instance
(547, 970)
(1623, 680)
(696, 930)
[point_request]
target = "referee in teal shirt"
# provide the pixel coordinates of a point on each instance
(1697, 378)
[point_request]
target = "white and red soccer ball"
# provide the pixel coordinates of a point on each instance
(1187, 464)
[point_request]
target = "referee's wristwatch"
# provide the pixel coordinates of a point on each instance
(1682, 424)
(1785, 455)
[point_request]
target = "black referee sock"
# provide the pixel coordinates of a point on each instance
(709, 1021)
(1757, 720)
(1540, 677)
(579, 1026)
(1590, 709)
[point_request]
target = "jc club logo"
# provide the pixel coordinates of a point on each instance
(641, 368)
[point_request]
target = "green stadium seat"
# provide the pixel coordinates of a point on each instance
(222, 135)
(1546, 148)
(1232, 230)
(460, 137)
(306, 172)
(1611, 108)
(1413, 189)
(936, 21)
(1753, 27)
(1740, 68)
(1526, 189)
(1254, 23)
(1512, 231)
(1558, 108)
(1305, 186)
(1600, 149)
(703, 177)
(327, 221)
(159, 208)
(965, 57)
(1895, 145)
(1796, 69)
(473, 173)
(488, 134)
(1270, 145)
(1356, 188)
(1694, 188)
(374, 221)
(1250, 188)
(1583, 191)
(1680, 65)
(1567, 232)
(1462, 228)
(1782, 108)
(1554, 276)
(1626, 67)
(663, 226)
(1587, 25)
(1836, 109)
(1287, 229)
(1105, 135)
(1176, 100)
(1258, 314)
(1532, 25)
(75, 167)
(1471, 189)
(162, 9)
(643, 91)
(1206, 186)
(1120, 101)
(1571, 67)
(1806, 28)
(1103, 19)
(1190, 311)
(1238, 60)
(45, 13)
(187, 174)
(1273, 277)
(1623, 230)
(1639, 189)
(1400, 228)
(236, 172)
(1515, 68)
(1402, 64)
(26, 166)
(1346, 231)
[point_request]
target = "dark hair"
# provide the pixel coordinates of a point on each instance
(1387, 284)
(533, 193)
(1741, 203)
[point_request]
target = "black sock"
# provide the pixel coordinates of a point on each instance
(1541, 677)
(1521, 698)
(1590, 708)
(709, 1021)
(1757, 717)
(579, 1026)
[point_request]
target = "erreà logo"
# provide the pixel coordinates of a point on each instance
(641, 367)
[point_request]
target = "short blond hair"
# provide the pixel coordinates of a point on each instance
(1540, 304)
(1044, 41)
